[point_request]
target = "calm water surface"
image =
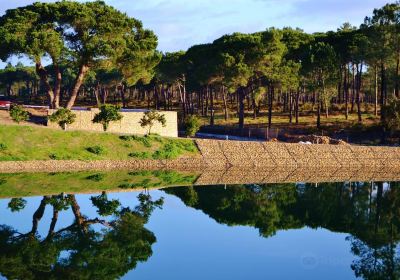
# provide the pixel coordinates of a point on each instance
(280, 231)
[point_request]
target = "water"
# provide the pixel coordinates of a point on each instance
(274, 231)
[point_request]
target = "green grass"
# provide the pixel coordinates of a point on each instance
(35, 184)
(19, 143)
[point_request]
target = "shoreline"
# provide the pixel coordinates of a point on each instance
(223, 155)
(33, 184)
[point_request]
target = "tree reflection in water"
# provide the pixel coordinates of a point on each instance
(78, 251)
(369, 212)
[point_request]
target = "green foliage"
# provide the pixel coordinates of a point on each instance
(18, 114)
(25, 184)
(160, 178)
(3, 147)
(150, 118)
(141, 155)
(391, 117)
(63, 117)
(95, 177)
(53, 156)
(16, 204)
(61, 31)
(145, 141)
(192, 125)
(172, 149)
(108, 254)
(97, 150)
(104, 206)
(108, 113)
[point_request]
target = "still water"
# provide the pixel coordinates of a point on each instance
(274, 231)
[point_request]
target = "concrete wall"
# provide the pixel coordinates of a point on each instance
(128, 125)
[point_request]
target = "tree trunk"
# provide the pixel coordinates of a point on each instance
(78, 82)
(37, 216)
(383, 89)
(225, 103)
(353, 88)
(346, 91)
(79, 219)
(241, 96)
(318, 111)
(42, 73)
(206, 96)
(57, 87)
(396, 87)
(123, 97)
(376, 90)
(290, 107)
(53, 223)
(270, 96)
(185, 101)
(340, 85)
(211, 106)
(297, 106)
(359, 80)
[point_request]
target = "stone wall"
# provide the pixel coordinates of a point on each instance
(250, 155)
(129, 124)
(234, 162)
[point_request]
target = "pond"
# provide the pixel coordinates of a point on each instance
(254, 231)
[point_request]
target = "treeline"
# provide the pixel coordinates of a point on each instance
(351, 70)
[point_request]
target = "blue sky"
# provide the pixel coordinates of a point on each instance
(180, 24)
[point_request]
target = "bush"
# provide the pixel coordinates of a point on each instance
(142, 155)
(173, 148)
(53, 156)
(146, 141)
(63, 117)
(18, 114)
(3, 147)
(192, 126)
(95, 177)
(391, 115)
(108, 113)
(16, 204)
(97, 150)
(149, 119)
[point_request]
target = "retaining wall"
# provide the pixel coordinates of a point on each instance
(129, 124)
(229, 162)
(249, 155)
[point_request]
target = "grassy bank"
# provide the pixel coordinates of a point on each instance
(34, 184)
(36, 143)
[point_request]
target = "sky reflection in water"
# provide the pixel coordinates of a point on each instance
(276, 231)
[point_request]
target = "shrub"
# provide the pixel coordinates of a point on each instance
(192, 125)
(18, 114)
(105, 207)
(3, 147)
(63, 117)
(146, 141)
(16, 204)
(174, 148)
(97, 150)
(150, 118)
(142, 155)
(391, 116)
(53, 156)
(108, 113)
(95, 177)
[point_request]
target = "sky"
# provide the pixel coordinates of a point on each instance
(180, 24)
